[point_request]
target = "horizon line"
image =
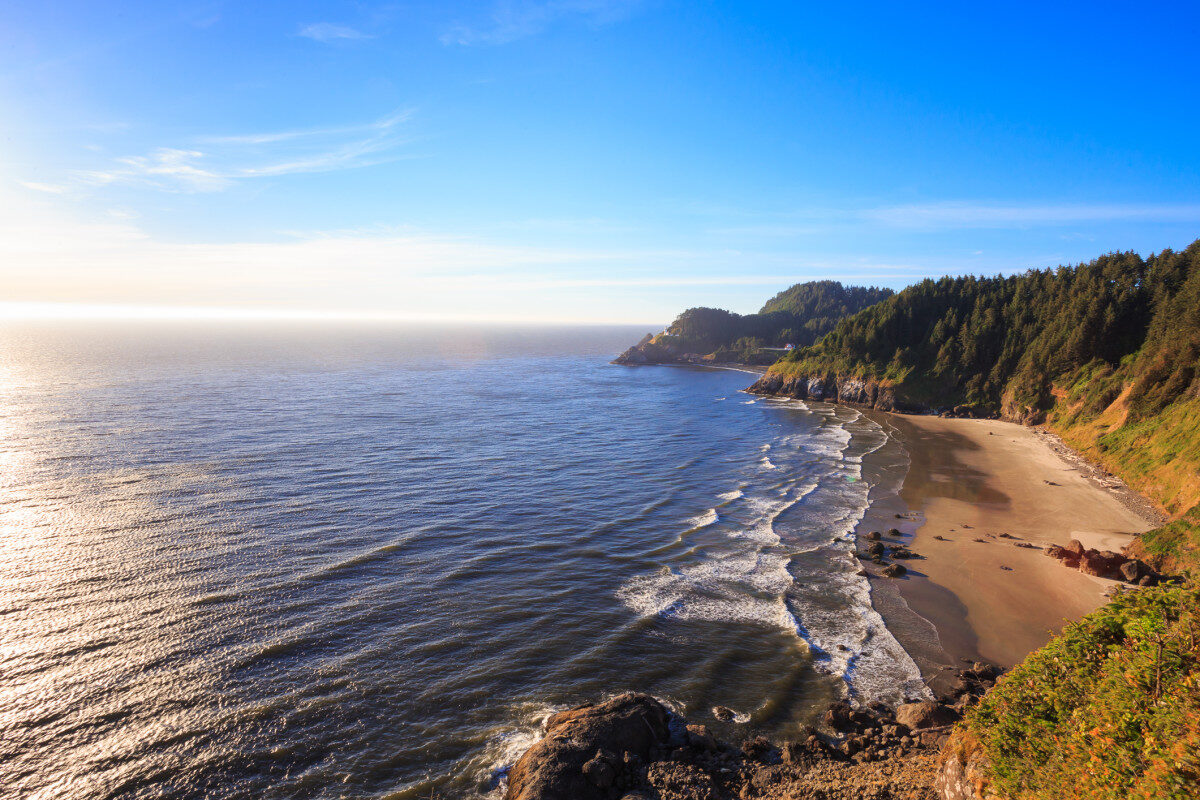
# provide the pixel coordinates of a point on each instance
(33, 311)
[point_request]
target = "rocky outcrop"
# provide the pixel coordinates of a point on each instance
(1104, 564)
(925, 714)
(648, 352)
(833, 389)
(859, 392)
(827, 388)
(632, 747)
(963, 770)
(1101, 563)
(586, 748)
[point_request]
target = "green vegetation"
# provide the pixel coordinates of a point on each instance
(1175, 547)
(1006, 342)
(799, 315)
(1108, 710)
(1107, 353)
(819, 305)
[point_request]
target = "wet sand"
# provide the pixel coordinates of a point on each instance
(970, 481)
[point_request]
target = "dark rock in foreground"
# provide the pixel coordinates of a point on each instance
(632, 747)
(585, 747)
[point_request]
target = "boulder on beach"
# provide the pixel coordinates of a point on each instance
(1057, 551)
(925, 714)
(894, 570)
(1101, 563)
(577, 758)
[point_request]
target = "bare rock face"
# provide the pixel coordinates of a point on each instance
(578, 757)
(1101, 563)
(700, 738)
(924, 714)
(829, 387)
(962, 773)
(681, 782)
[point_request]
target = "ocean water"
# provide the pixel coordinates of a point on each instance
(270, 562)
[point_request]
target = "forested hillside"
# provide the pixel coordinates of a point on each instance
(799, 315)
(1106, 353)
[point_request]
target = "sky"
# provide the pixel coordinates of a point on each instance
(575, 160)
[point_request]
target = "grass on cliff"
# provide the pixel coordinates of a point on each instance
(1109, 710)
(1156, 454)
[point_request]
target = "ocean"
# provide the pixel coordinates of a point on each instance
(276, 561)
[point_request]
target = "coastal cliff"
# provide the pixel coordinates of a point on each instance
(1107, 356)
(797, 316)
(831, 388)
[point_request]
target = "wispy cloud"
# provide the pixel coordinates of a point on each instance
(47, 188)
(952, 215)
(941, 216)
(330, 32)
(165, 168)
(511, 20)
(213, 163)
(50, 254)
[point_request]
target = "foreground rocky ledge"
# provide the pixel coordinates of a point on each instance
(632, 747)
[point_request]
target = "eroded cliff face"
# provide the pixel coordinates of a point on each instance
(649, 352)
(833, 389)
(963, 770)
(856, 391)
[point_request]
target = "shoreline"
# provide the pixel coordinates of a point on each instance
(996, 493)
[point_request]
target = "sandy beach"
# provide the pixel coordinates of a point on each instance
(974, 484)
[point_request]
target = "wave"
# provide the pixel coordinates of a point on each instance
(799, 573)
(728, 497)
(703, 520)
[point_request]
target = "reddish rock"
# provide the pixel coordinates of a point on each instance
(1075, 546)
(1101, 563)
(1057, 551)
(924, 714)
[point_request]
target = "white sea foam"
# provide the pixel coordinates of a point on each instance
(749, 402)
(730, 589)
(729, 497)
(703, 520)
(746, 577)
(508, 744)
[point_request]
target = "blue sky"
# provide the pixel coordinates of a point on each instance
(581, 160)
